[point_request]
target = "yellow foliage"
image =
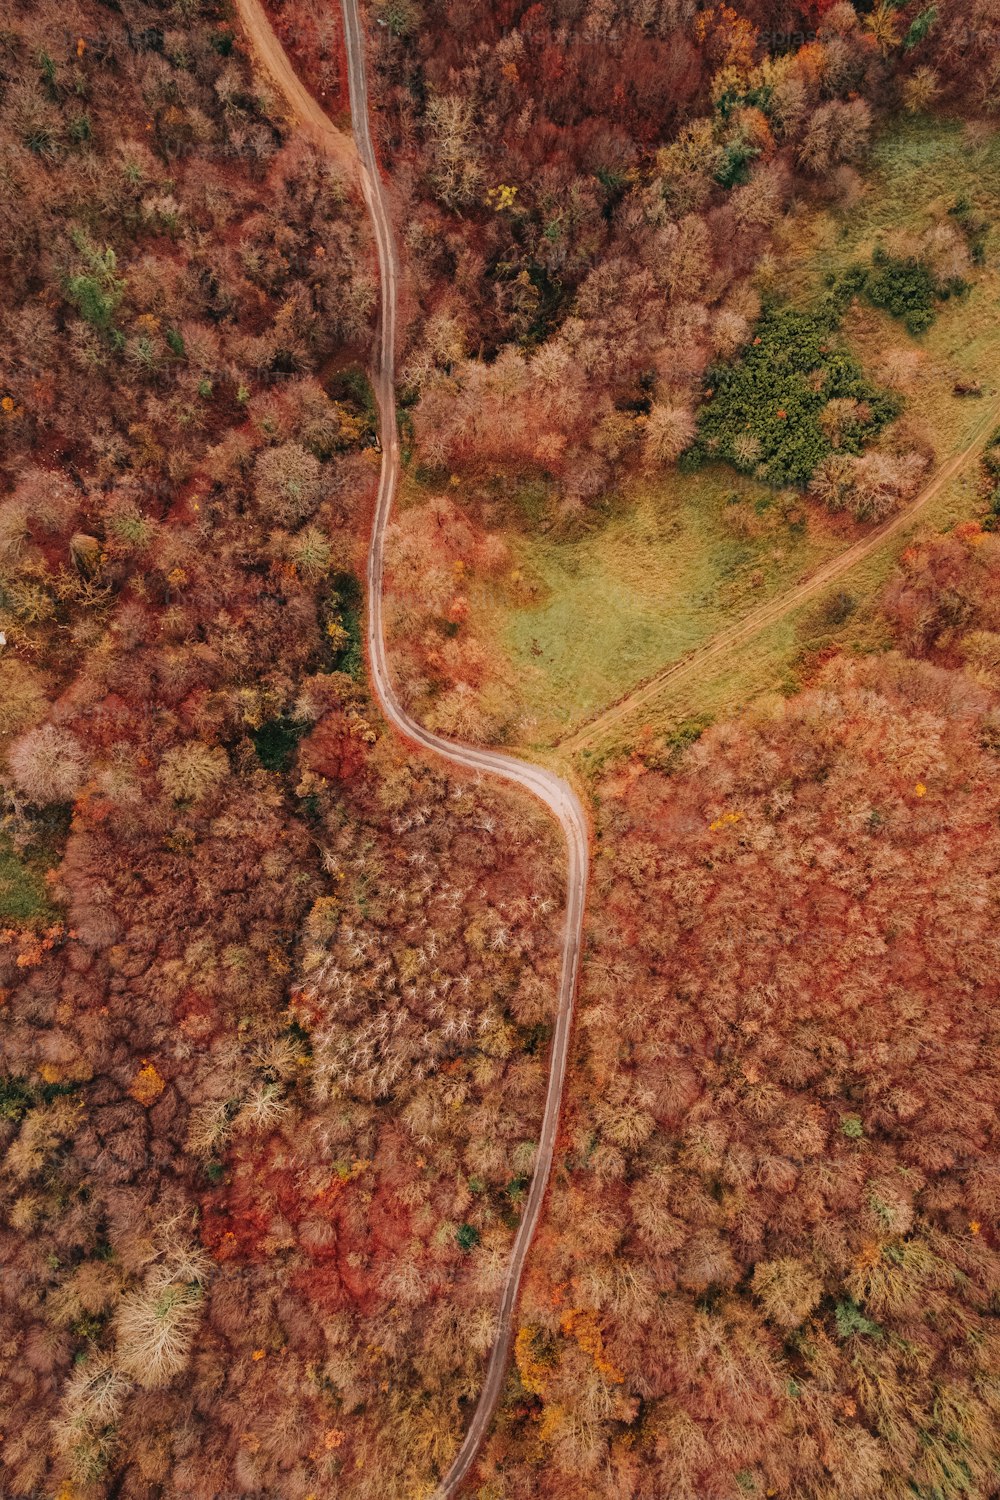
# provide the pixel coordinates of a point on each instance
(727, 80)
(884, 27)
(500, 197)
(551, 1420)
(583, 1327)
(530, 1368)
(736, 35)
(347, 1173)
(694, 151)
(727, 819)
(350, 425)
(147, 1084)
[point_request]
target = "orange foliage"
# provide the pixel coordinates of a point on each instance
(781, 1159)
(147, 1085)
(583, 1327)
(532, 1370)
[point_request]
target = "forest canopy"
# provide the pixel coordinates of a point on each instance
(276, 991)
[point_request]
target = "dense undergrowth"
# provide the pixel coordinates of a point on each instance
(795, 395)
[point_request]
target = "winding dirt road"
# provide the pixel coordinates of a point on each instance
(557, 794)
(603, 724)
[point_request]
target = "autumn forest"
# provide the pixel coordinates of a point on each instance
(499, 734)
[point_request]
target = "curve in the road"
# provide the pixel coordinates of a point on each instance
(550, 789)
(557, 794)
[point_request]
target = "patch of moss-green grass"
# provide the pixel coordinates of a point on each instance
(674, 562)
(24, 898)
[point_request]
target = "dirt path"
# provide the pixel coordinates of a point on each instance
(556, 794)
(598, 729)
(307, 114)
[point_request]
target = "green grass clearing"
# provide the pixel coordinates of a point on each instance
(645, 587)
(781, 657)
(918, 172)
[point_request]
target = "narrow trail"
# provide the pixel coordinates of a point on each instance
(597, 729)
(556, 794)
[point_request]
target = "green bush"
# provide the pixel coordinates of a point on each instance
(732, 99)
(974, 226)
(919, 27)
(96, 291)
(15, 1098)
(93, 301)
(991, 457)
(342, 616)
(990, 487)
(400, 16)
(734, 169)
(850, 1319)
(763, 410)
(276, 742)
(906, 289)
(351, 389)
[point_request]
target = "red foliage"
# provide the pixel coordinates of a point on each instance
(334, 749)
(313, 36)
